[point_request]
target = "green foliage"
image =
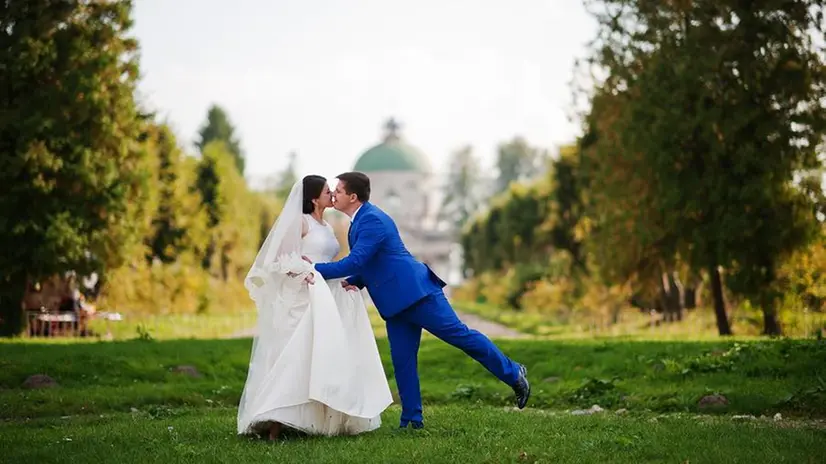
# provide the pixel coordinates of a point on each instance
(218, 128)
(285, 180)
(234, 214)
(529, 241)
(71, 159)
(626, 232)
(596, 391)
(462, 195)
(517, 161)
(524, 275)
(720, 104)
(803, 277)
(167, 277)
(179, 222)
(143, 334)
(509, 232)
(88, 183)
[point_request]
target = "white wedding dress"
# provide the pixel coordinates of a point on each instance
(315, 366)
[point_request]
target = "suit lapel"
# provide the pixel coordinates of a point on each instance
(354, 224)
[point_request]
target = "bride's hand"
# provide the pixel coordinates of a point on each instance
(306, 259)
(310, 279)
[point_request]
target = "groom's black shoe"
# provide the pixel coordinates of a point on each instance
(414, 424)
(522, 387)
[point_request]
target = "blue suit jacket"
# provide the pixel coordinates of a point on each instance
(379, 261)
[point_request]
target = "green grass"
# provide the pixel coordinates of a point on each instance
(454, 434)
(176, 326)
(117, 400)
(182, 326)
(697, 324)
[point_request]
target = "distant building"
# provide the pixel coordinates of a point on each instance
(404, 186)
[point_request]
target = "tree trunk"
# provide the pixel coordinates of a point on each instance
(771, 326)
(676, 296)
(671, 298)
(12, 289)
(693, 291)
(690, 298)
(615, 313)
(225, 263)
(723, 326)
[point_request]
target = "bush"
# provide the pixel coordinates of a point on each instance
(550, 298)
(493, 288)
(173, 288)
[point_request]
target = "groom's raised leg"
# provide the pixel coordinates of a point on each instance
(435, 315)
(404, 340)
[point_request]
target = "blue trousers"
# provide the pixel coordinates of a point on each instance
(434, 314)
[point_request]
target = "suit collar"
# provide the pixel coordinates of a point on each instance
(359, 213)
(356, 213)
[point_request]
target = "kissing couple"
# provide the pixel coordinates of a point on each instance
(315, 366)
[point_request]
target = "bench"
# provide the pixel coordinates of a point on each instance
(43, 323)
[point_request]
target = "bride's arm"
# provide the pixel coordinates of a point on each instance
(293, 265)
(305, 226)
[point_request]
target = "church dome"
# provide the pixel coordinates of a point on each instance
(393, 154)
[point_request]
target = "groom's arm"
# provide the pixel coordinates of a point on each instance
(371, 233)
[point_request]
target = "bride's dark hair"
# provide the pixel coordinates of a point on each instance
(313, 186)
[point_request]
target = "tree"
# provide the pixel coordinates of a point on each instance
(723, 102)
(233, 213)
(518, 161)
(802, 278)
(70, 158)
(218, 127)
(462, 195)
(626, 234)
(178, 221)
(568, 192)
(207, 183)
(285, 180)
(530, 222)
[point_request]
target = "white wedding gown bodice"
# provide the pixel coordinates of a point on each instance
(321, 372)
(320, 244)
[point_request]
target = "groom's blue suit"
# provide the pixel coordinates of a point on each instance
(409, 298)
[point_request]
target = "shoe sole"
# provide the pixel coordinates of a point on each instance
(524, 371)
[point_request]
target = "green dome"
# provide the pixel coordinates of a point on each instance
(393, 155)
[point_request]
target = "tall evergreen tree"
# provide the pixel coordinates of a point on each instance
(70, 158)
(218, 127)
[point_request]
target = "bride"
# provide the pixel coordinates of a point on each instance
(314, 366)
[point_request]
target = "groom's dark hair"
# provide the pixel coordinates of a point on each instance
(356, 182)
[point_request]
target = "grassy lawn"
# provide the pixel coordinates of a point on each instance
(697, 324)
(454, 434)
(122, 402)
(178, 326)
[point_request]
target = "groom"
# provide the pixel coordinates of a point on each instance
(409, 298)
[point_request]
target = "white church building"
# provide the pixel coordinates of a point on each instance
(404, 185)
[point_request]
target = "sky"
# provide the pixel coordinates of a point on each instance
(320, 77)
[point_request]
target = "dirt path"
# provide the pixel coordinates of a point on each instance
(489, 328)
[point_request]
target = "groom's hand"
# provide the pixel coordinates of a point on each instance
(306, 259)
(348, 287)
